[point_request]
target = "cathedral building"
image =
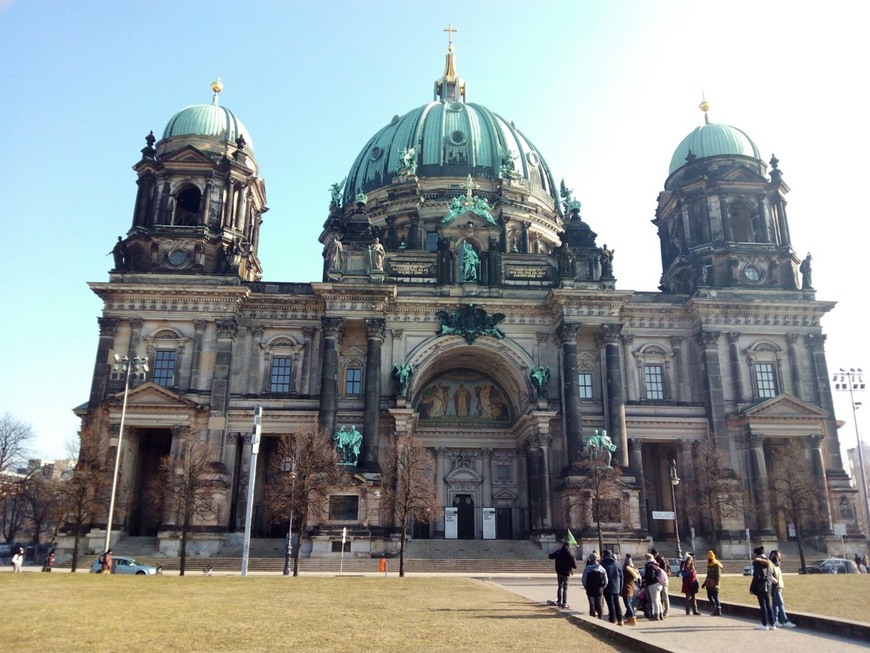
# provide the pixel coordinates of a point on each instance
(464, 300)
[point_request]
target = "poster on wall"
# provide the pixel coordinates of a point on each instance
(451, 522)
(489, 523)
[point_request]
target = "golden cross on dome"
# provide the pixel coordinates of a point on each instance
(450, 29)
(469, 187)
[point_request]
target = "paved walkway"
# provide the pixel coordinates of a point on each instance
(682, 633)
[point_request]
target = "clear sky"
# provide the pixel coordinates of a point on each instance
(606, 90)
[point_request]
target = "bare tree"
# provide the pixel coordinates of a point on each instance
(797, 492)
(15, 436)
(602, 487)
(190, 479)
(41, 494)
(409, 486)
(14, 509)
(81, 496)
(305, 471)
(715, 495)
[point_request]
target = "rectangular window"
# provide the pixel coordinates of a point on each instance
(654, 381)
(585, 385)
(353, 381)
(343, 507)
(164, 368)
(279, 378)
(765, 378)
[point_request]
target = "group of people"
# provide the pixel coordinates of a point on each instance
(767, 585)
(18, 560)
(644, 589)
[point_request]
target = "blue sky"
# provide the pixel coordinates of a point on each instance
(606, 90)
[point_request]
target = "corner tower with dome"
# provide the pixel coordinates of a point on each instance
(465, 302)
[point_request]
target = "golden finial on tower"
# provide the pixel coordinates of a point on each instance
(705, 107)
(216, 87)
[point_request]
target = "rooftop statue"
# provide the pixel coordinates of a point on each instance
(470, 263)
(402, 373)
(408, 158)
(335, 192)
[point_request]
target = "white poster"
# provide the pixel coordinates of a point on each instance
(451, 522)
(489, 523)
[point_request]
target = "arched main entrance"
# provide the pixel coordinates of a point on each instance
(464, 504)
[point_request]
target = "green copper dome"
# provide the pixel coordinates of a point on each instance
(208, 120)
(713, 140)
(451, 138)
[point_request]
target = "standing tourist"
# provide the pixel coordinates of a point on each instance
(49, 561)
(630, 576)
(565, 566)
(594, 579)
(711, 583)
(653, 579)
(779, 614)
(18, 560)
(760, 586)
(106, 562)
(690, 584)
(665, 566)
(613, 588)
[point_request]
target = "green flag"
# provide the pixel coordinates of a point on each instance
(571, 539)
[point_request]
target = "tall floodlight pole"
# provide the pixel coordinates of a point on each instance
(252, 475)
(853, 381)
(675, 481)
(128, 366)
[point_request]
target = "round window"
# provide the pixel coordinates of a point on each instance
(376, 154)
(532, 158)
(457, 137)
(752, 273)
(177, 257)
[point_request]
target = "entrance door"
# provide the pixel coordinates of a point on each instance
(464, 505)
(504, 526)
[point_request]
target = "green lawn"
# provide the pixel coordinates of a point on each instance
(87, 612)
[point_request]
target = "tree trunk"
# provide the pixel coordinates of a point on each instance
(183, 553)
(402, 552)
(800, 542)
(75, 556)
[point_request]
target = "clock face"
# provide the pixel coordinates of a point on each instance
(752, 273)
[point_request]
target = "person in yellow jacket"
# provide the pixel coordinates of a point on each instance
(711, 583)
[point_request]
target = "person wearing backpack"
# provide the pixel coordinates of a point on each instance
(760, 587)
(594, 580)
(652, 580)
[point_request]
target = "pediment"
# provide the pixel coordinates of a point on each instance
(784, 405)
(152, 396)
(742, 173)
(187, 154)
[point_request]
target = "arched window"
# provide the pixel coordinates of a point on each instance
(654, 369)
(741, 223)
(764, 364)
(187, 205)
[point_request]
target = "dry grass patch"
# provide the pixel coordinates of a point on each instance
(83, 612)
(827, 595)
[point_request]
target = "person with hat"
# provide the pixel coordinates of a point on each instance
(760, 587)
(690, 584)
(711, 583)
(594, 579)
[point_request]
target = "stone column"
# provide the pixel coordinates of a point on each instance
(440, 485)
(539, 468)
(681, 392)
(636, 456)
(102, 366)
(375, 332)
(329, 375)
(486, 472)
(734, 360)
(816, 342)
(714, 395)
(567, 334)
(630, 369)
(794, 365)
(227, 330)
(255, 339)
(758, 482)
(136, 325)
(609, 335)
(307, 354)
(199, 327)
(813, 447)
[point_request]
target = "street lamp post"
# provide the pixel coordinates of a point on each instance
(853, 381)
(128, 366)
(675, 481)
(287, 468)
